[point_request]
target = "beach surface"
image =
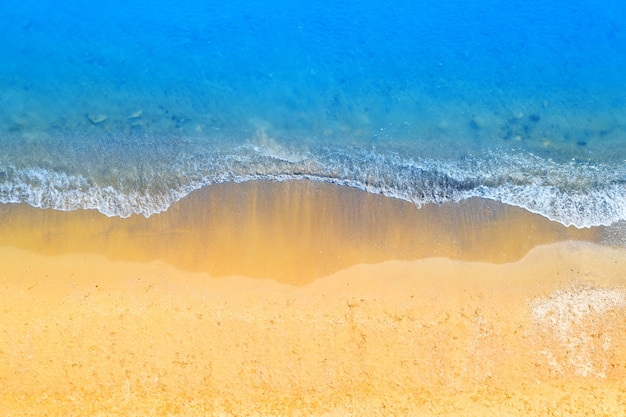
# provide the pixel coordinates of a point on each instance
(300, 298)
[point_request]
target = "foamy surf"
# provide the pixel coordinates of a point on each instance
(579, 194)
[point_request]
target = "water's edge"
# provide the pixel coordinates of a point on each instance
(573, 193)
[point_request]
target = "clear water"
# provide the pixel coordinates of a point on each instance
(127, 106)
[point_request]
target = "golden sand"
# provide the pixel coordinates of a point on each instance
(504, 314)
(293, 232)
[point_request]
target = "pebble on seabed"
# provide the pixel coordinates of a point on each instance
(97, 118)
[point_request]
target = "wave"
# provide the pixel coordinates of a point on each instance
(573, 193)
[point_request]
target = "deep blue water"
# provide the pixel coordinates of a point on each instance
(125, 107)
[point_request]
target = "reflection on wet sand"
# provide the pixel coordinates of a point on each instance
(293, 232)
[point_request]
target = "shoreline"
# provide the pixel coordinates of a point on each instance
(293, 231)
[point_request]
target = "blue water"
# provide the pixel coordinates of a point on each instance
(126, 107)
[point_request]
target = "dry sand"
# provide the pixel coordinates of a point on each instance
(500, 313)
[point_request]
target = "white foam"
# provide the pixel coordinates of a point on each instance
(574, 194)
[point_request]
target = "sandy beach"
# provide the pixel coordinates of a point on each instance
(308, 299)
(292, 232)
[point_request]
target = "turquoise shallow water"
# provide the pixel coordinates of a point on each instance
(126, 107)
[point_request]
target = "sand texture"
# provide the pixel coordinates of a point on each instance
(293, 232)
(96, 333)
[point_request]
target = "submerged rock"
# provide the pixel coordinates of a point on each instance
(135, 115)
(97, 118)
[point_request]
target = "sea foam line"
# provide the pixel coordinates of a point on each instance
(573, 194)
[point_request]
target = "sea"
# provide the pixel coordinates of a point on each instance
(125, 107)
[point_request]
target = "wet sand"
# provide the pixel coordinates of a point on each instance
(479, 309)
(293, 232)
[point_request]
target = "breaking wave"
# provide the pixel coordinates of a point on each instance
(573, 193)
